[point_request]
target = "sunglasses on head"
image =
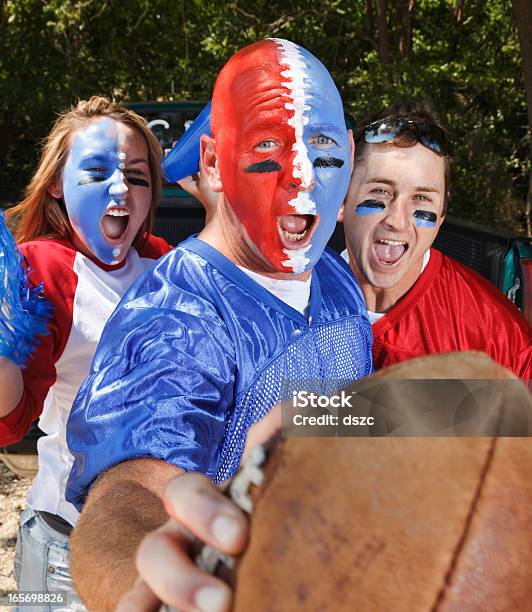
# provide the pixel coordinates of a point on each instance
(428, 134)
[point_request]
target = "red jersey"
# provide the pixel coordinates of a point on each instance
(83, 293)
(452, 308)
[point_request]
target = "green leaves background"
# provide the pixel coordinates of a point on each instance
(462, 57)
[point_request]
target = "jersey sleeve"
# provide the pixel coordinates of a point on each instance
(509, 338)
(161, 384)
(50, 263)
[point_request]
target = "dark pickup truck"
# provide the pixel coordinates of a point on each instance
(501, 257)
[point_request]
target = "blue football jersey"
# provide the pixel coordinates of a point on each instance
(196, 352)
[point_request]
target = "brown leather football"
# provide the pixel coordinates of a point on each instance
(396, 524)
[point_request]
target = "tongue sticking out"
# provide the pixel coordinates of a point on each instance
(114, 226)
(295, 224)
(389, 253)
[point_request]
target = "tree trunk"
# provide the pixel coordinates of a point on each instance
(384, 45)
(522, 11)
(406, 8)
(453, 43)
(371, 16)
(458, 9)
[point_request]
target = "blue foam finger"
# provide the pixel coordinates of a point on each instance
(24, 312)
(183, 159)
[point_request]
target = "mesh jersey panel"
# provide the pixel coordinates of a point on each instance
(308, 362)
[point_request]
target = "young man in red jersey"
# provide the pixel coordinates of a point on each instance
(419, 301)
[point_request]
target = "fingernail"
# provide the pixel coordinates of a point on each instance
(211, 599)
(225, 529)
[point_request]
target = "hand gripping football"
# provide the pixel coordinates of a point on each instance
(399, 524)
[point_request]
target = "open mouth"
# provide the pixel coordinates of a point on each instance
(295, 231)
(389, 252)
(114, 223)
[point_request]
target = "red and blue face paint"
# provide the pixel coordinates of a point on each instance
(283, 151)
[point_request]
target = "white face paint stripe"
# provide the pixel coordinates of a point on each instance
(302, 166)
(303, 204)
(296, 259)
(296, 85)
(121, 141)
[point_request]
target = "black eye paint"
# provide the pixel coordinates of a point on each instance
(265, 166)
(328, 162)
(425, 218)
(137, 181)
(370, 207)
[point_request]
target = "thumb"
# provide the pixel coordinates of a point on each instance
(139, 599)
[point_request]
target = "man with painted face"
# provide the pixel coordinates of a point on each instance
(419, 301)
(216, 334)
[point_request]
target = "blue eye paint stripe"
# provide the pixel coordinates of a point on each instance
(265, 166)
(328, 162)
(425, 218)
(370, 207)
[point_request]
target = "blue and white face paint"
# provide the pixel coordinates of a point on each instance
(107, 187)
(370, 207)
(322, 162)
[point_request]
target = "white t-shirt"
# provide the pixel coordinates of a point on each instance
(295, 293)
(89, 295)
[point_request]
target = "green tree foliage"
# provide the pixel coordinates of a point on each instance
(461, 57)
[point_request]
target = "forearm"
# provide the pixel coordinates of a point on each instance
(11, 386)
(104, 544)
(119, 512)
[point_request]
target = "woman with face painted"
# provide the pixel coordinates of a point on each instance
(84, 229)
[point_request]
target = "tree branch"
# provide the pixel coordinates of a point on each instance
(245, 13)
(141, 17)
(100, 12)
(406, 8)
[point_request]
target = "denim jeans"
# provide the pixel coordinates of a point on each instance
(42, 563)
